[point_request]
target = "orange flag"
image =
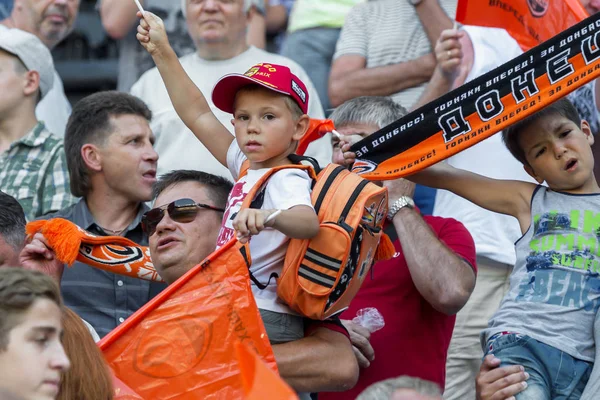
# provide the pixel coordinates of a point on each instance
(181, 345)
(316, 130)
(258, 380)
(529, 22)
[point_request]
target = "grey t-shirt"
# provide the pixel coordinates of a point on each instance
(555, 285)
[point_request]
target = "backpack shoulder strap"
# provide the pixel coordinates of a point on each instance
(263, 180)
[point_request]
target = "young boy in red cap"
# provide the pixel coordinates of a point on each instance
(269, 105)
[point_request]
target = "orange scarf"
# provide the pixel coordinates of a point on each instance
(114, 254)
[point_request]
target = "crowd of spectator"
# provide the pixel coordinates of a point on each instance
(117, 163)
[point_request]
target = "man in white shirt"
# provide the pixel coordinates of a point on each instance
(51, 21)
(218, 30)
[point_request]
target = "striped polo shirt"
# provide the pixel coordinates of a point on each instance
(388, 32)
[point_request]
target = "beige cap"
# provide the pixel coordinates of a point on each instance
(33, 54)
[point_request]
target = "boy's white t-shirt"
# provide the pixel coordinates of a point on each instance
(285, 189)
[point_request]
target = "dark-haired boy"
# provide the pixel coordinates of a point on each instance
(545, 321)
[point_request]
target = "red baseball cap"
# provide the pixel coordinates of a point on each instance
(278, 78)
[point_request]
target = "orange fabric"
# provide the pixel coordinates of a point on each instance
(124, 392)
(321, 276)
(258, 380)
(316, 130)
(530, 22)
(486, 105)
(182, 343)
(114, 254)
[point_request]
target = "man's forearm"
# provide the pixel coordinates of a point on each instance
(321, 362)
(118, 17)
(433, 18)
(437, 87)
(381, 81)
(444, 279)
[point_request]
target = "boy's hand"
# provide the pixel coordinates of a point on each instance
(448, 53)
(251, 221)
(151, 33)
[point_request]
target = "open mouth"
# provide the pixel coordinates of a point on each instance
(150, 175)
(571, 165)
(165, 242)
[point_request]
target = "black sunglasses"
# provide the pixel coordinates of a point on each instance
(182, 210)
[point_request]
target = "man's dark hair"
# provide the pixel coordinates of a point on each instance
(510, 135)
(90, 123)
(12, 221)
(219, 186)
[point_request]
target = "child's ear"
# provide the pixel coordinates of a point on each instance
(301, 127)
(587, 130)
(532, 173)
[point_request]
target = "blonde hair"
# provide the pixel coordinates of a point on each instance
(289, 101)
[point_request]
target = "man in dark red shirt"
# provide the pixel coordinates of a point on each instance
(419, 291)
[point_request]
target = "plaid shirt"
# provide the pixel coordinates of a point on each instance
(34, 171)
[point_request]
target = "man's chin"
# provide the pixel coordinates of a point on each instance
(169, 272)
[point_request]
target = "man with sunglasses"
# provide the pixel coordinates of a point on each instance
(183, 230)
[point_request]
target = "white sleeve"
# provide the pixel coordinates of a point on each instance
(288, 188)
(235, 158)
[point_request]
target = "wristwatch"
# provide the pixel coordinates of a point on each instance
(399, 204)
(414, 2)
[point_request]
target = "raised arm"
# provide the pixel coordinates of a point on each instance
(501, 196)
(433, 18)
(439, 263)
(118, 17)
(452, 66)
(188, 101)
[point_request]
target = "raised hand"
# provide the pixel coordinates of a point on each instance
(342, 154)
(37, 255)
(151, 33)
(449, 54)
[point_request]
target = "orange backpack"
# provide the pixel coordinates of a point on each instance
(322, 275)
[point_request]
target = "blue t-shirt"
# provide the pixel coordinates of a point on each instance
(6, 7)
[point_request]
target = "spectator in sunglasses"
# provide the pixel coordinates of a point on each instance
(183, 230)
(112, 165)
